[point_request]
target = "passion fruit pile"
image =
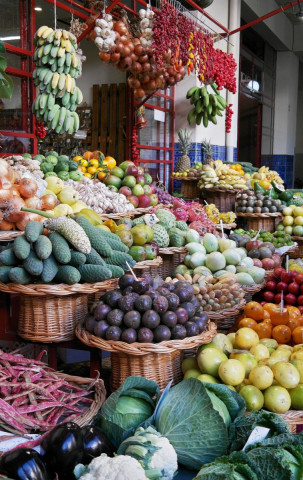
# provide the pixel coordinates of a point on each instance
(249, 202)
(147, 310)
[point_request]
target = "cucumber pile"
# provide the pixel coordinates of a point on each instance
(57, 66)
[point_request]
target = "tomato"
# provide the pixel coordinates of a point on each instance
(84, 163)
(88, 175)
(101, 175)
(93, 163)
(91, 170)
(109, 162)
(77, 158)
(88, 155)
(281, 333)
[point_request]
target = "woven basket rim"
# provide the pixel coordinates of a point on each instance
(172, 250)
(297, 239)
(221, 190)
(294, 417)
(156, 262)
(7, 236)
(259, 215)
(187, 179)
(254, 288)
(230, 312)
(145, 348)
(228, 226)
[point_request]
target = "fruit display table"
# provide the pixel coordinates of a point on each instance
(260, 221)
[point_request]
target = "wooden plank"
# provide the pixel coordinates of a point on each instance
(121, 123)
(112, 133)
(95, 120)
(103, 119)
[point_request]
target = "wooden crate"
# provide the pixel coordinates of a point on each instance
(109, 118)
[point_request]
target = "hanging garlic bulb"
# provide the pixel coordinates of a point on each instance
(144, 23)
(108, 17)
(142, 13)
(97, 31)
(105, 35)
(99, 42)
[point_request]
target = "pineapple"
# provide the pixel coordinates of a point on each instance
(183, 162)
(207, 148)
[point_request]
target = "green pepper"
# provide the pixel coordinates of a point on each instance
(50, 174)
(62, 166)
(72, 165)
(76, 176)
(63, 175)
(46, 167)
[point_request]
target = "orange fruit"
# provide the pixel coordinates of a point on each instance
(88, 155)
(247, 322)
(254, 310)
(101, 175)
(279, 318)
(266, 314)
(281, 333)
(269, 306)
(301, 320)
(294, 323)
(297, 335)
(293, 312)
(263, 329)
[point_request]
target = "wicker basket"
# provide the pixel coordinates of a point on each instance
(189, 187)
(10, 235)
(260, 221)
(294, 418)
(160, 362)
(298, 252)
(49, 313)
(251, 291)
(223, 199)
(172, 257)
(226, 226)
(226, 318)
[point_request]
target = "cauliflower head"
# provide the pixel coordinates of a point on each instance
(116, 468)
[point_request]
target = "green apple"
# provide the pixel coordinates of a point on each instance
(298, 231)
(288, 220)
(298, 220)
(138, 190)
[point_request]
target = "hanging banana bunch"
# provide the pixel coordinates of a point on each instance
(57, 66)
(207, 106)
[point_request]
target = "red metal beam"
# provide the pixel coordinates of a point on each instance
(18, 73)
(72, 2)
(68, 9)
(264, 17)
(91, 26)
(213, 20)
(17, 50)
(9, 133)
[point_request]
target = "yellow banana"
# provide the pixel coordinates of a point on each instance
(47, 32)
(58, 34)
(61, 52)
(41, 30)
(65, 34)
(55, 80)
(68, 82)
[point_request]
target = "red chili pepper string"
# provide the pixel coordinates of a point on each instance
(229, 114)
(40, 130)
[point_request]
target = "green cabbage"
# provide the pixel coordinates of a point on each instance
(233, 467)
(128, 408)
(275, 464)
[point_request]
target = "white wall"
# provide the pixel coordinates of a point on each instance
(96, 72)
(287, 75)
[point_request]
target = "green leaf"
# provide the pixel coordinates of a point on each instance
(234, 402)
(2, 47)
(194, 428)
(6, 88)
(3, 63)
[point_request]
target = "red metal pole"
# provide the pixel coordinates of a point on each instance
(24, 87)
(264, 17)
(68, 9)
(16, 50)
(32, 92)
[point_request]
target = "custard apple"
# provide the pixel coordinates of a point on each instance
(177, 237)
(138, 221)
(161, 237)
(166, 218)
(181, 225)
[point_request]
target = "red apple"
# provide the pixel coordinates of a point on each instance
(268, 263)
(277, 259)
(268, 296)
(299, 278)
(140, 180)
(133, 200)
(153, 188)
(257, 263)
(301, 309)
(282, 287)
(125, 191)
(271, 286)
(300, 300)
(144, 201)
(147, 190)
(271, 277)
(286, 277)
(131, 170)
(252, 244)
(278, 271)
(278, 297)
(291, 299)
(294, 275)
(293, 288)
(154, 200)
(301, 289)
(140, 170)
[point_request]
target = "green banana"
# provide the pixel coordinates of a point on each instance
(76, 121)
(60, 69)
(191, 116)
(71, 127)
(191, 91)
(61, 83)
(61, 60)
(62, 116)
(43, 100)
(199, 106)
(51, 37)
(197, 95)
(45, 59)
(54, 66)
(55, 120)
(67, 121)
(45, 117)
(47, 48)
(65, 98)
(205, 119)
(206, 100)
(214, 86)
(204, 91)
(53, 112)
(79, 96)
(209, 108)
(199, 118)
(51, 101)
(68, 59)
(213, 119)
(54, 51)
(48, 77)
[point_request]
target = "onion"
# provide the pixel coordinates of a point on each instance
(146, 67)
(5, 195)
(133, 82)
(49, 202)
(136, 41)
(4, 169)
(171, 81)
(136, 67)
(28, 217)
(27, 187)
(34, 202)
(105, 57)
(145, 78)
(178, 77)
(138, 49)
(120, 27)
(14, 206)
(126, 51)
(5, 226)
(115, 57)
(139, 93)
(171, 71)
(124, 39)
(151, 85)
(120, 47)
(125, 63)
(131, 46)
(143, 58)
(134, 57)
(5, 184)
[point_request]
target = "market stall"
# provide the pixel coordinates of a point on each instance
(193, 300)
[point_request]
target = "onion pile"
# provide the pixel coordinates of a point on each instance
(135, 56)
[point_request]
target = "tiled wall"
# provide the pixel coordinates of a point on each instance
(283, 164)
(197, 155)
